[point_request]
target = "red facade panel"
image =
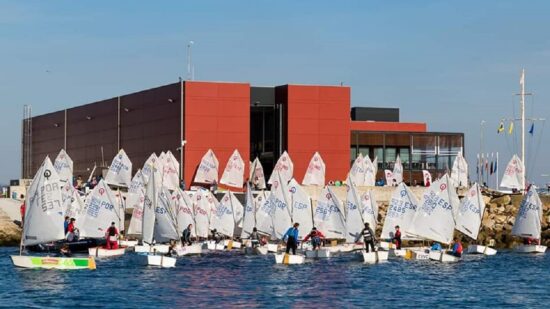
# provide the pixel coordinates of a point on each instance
(217, 117)
(318, 120)
(388, 126)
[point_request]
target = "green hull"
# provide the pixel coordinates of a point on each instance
(53, 262)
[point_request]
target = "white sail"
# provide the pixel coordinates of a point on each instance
(301, 206)
(285, 167)
(249, 220)
(44, 213)
(514, 174)
(183, 205)
(279, 198)
(223, 219)
(207, 172)
(101, 208)
(427, 178)
(470, 212)
(257, 176)
(375, 164)
(138, 183)
(148, 167)
(72, 202)
(398, 171)
(435, 218)
(389, 177)
(329, 215)
(135, 202)
(63, 165)
(234, 171)
(238, 212)
(401, 211)
(370, 172)
(315, 173)
(357, 171)
(459, 172)
(165, 219)
(120, 170)
(354, 220)
(264, 215)
(369, 208)
(529, 216)
(149, 205)
(170, 172)
(201, 209)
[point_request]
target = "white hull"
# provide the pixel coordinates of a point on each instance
(289, 259)
(231, 244)
(417, 255)
(375, 257)
(213, 246)
(272, 248)
(479, 249)
(161, 260)
(44, 262)
(128, 243)
(386, 245)
(530, 249)
(194, 249)
(317, 254)
(258, 250)
(397, 252)
(102, 252)
(443, 257)
(145, 248)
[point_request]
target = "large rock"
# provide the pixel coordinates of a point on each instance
(502, 201)
(10, 234)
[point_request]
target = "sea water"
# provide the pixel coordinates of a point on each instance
(231, 279)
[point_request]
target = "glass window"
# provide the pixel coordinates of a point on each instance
(424, 144)
(391, 155)
(353, 154)
(365, 151)
(404, 156)
(450, 144)
(379, 153)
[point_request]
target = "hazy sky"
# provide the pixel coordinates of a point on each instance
(448, 63)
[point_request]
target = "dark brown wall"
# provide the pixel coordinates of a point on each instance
(47, 137)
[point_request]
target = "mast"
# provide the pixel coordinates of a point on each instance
(522, 107)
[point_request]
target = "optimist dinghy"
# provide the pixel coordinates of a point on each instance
(161, 261)
(104, 252)
(443, 257)
(528, 222)
(44, 222)
(194, 249)
(375, 257)
(289, 259)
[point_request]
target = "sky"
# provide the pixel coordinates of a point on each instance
(450, 64)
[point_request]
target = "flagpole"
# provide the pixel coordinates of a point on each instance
(522, 84)
(496, 174)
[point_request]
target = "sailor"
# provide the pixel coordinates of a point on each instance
(66, 224)
(215, 236)
(22, 209)
(255, 238)
(316, 237)
(186, 236)
(368, 237)
(111, 237)
(457, 248)
(71, 230)
(436, 246)
(291, 238)
(397, 237)
(65, 251)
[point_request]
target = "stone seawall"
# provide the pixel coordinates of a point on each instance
(10, 234)
(497, 222)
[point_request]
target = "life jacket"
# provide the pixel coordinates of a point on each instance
(397, 235)
(367, 235)
(459, 248)
(112, 231)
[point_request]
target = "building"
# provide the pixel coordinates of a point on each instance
(258, 121)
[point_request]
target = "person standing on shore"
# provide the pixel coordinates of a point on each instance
(111, 237)
(291, 238)
(186, 236)
(368, 237)
(397, 238)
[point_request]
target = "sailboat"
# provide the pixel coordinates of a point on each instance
(435, 218)
(249, 223)
(44, 222)
(528, 223)
(183, 206)
(468, 219)
(226, 217)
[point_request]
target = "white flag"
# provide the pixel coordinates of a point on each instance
(315, 174)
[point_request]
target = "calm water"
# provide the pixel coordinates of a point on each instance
(505, 280)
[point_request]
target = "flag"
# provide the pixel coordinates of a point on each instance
(532, 129)
(500, 127)
(491, 171)
(511, 128)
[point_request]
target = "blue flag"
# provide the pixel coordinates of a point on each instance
(532, 130)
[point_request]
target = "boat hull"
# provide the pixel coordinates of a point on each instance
(317, 254)
(145, 248)
(443, 257)
(289, 259)
(530, 249)
(416, 255)
(161, 261)
(80, 246)
(397, 252)
(213, 246)
(193, 249)
(128, 243)
(479, 249)
(103, 252)
(42, 262)
(231, 244)
(272, 248)
(375, 257)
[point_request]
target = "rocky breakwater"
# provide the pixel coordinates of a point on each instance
(10, 233)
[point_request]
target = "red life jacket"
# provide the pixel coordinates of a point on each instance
(459, 248)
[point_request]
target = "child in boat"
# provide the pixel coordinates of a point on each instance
(397, 238)
(186, 236)
(436, 246)
(255, 238)
(457, 248)
(112, 237)
(368, 237)
(316, 237)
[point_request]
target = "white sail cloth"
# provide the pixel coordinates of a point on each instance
(120, 170)
(459, 172)
(233, 173)
(279, 198)
(315, 173)
(257, 176)
(514, 174)
(249, 220)
(354, 219)
(301, 206)
(101, 208)
(285, 167)
(329, 215)
(170, 172)
(398, 171)
(183, 205)
(529, 216)
(44, 213)
(207, 172)
(470, 212)
(357, 171)
(401, 211)
(63, 165)
(165, 219)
